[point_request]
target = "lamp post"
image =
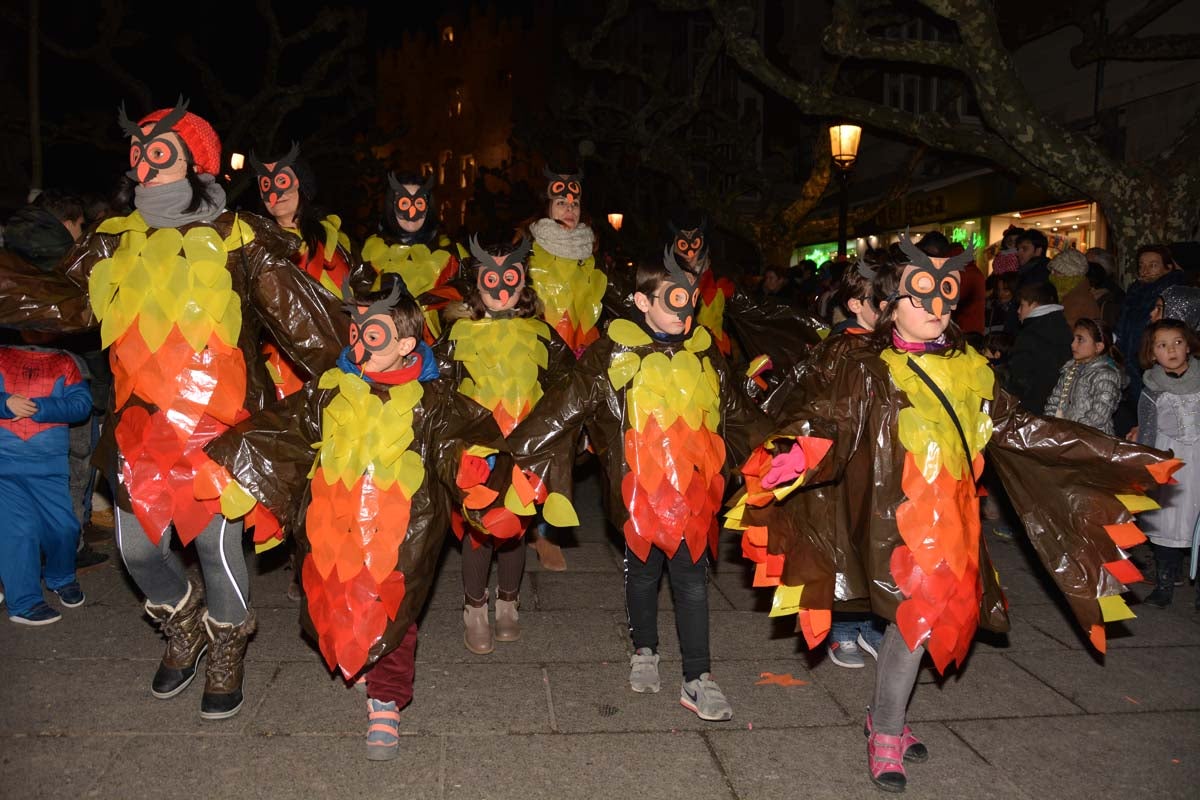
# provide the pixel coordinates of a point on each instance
(616, 220)
(843, 144)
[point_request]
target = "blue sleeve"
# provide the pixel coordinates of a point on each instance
(73, 405)
(4, 412)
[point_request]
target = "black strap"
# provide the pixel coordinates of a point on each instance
(962, 437)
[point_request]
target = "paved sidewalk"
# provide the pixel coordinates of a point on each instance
(1033, 715)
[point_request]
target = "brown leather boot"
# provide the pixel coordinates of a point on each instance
(549, 555)
(186, 642)
(225, 667)
(478, 635)
(508, 628)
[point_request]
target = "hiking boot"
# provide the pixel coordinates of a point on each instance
(40, 614)
(884, 762)
(70, 595)
(478, 634)
(705, 698)
(643, 671)
(383, 730)
(912, 749)
(186, 642)
(508, 628)
(225, 667)
(846, 654)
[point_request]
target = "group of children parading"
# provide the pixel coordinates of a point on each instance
(455, 388)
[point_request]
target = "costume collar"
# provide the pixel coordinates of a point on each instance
(424, 368)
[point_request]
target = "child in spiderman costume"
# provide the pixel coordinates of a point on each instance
(41, 392)
(398, 448)
(902, 427)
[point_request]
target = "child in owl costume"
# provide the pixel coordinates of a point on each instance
(397, 448)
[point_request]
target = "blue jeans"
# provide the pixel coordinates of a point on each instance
(847, 627)
(40, 522)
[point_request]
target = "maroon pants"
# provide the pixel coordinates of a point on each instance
(392, 676)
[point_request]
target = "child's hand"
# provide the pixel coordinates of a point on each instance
(785, 467)
(21, 407)
(1132, 435)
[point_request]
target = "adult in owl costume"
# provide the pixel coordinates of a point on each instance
(397, 447)
(500, 353)
(288, 189)
(667, 420)
(408, 244)
(183, 292)
(902, 427)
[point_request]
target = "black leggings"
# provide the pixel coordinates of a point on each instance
(477, 563)
(159, 572)
(689, 591)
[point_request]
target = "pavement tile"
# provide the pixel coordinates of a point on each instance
(112, 630)
(63, 697)
(595, 698)
(279, 636)
(1095, 757)
(52, 767)
(546, 637)
(276, 767)
(584, 767)
(830, 764)
(1133, 680)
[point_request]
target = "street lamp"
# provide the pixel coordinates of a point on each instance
(236, 161)
(616, 220)
(843, 144)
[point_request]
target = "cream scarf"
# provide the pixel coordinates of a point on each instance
(575, 244)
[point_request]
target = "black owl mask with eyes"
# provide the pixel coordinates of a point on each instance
(934, 283)
(567, 186)
(679, 291)
(371, 326)
(149, 154)
(690, 245)
(501, 277)
(277, 178)
(413, 207)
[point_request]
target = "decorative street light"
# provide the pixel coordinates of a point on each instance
(616, 220)
(236, 161)
(843, 143)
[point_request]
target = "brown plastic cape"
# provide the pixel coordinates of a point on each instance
(778, 330)
(559, 366)
(305, 320)
(546, 442)
(271, 453)
(1063, 479)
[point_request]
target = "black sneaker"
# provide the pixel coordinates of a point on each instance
(40, 614)
(70, 595)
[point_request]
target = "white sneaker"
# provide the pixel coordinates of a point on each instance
(643, 671)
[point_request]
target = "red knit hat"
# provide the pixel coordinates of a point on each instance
(197, 134)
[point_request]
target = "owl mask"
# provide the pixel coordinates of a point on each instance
(501, 277)
(412, 207)
(275, 179)
(690, 245)
(569, 187)
(678, 290)
(933, 283)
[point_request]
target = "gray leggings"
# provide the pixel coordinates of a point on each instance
(895, 676)
(159, 572)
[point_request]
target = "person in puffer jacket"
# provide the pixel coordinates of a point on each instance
(1089, 385)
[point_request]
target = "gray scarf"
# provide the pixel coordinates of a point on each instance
(1157, 379)
(163, 206)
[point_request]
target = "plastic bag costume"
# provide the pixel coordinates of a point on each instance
(906, 540)
(392, 460)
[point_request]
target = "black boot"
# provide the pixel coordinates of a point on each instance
(1166, 563)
